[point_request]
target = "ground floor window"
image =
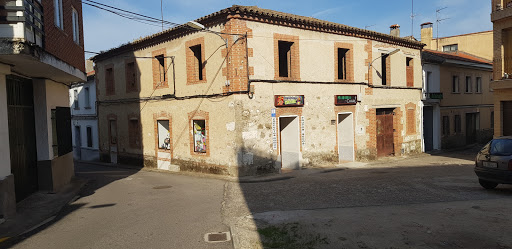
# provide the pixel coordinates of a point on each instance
(446, 125)
(199, 136)
(164, 138)
(458, 124)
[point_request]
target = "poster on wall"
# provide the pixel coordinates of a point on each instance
(288, 100)
(274, 129)
(199, 136)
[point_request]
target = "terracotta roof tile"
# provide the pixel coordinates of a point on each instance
(459, 55)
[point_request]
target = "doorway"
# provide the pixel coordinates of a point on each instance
(78, 143)
(385, 137)
(345, 137)
(471, 122)
(507, 117)
(428, 127)
(289, 134)
(113, 141)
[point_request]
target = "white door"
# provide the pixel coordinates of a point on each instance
(346, 137)
(290, 142)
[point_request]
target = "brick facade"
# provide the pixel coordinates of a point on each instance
(294, 54)
(349, 77)
(410, 118)
(192, 66)
(160, 78)
(60, 42)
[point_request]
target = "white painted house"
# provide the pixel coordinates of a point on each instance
(84, 120)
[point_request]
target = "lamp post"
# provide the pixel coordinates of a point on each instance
(370, 64)
(200, 27)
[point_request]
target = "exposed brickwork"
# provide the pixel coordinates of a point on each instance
(368, 91)
(131, 75)
(410, 118)
(349, 61)
(192, 66)
(287, 111)
(409, 71)
(338, 109)
(235, 68)
(199, 115)
(60, 42)
(110, 84)
(368, 48)
(371, 130)
(134, 131)
(295, 59)
(398, 127)
(388, 70)
(156, 69)
(162, 116)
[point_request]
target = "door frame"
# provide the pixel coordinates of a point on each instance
(353, 133)
(279, 136)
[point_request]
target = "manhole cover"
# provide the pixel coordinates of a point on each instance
(162, 187)
(217, 237)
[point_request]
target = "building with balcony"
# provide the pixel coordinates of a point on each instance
(41, 54)
(501, 18)
(261, 90)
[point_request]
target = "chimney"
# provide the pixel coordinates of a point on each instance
(426, 34)
(395, 30)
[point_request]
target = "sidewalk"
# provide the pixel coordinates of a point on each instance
(39, 209)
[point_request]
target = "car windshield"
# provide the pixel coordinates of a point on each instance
(501, 147)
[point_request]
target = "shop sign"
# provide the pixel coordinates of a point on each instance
(288, 100)
(345, 99)
(435, 95)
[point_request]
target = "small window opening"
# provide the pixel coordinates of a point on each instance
(198, 60)
(285, 58)
(342, 63)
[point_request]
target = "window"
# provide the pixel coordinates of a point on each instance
(198, 61)
(135, 133)
(87, 97)
(384, 72)
(492, 120)
(446, 125)
(285, 58)
(131, 76)
(478, 84)
(164, 139)
(89, 136)
(75, 97)
(429, 81)
(61, 131)
(409, 71)
(449, 48)
(199, 134)
(109, 79)
(76, 26)
(457, 124)
(411, 121)
(469, 85)
(57, 4)
(455, 84)
(161, 68)
(342, 63)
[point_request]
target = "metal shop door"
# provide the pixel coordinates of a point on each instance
(385, 142)
(290, 142)
(22, 135)
(507, 118)
(470, 128)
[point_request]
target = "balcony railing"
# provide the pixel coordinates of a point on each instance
(30, 13)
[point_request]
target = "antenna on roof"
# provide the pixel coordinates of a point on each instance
(162, 11)
(438, 20)
(367, 26)
(412, 18)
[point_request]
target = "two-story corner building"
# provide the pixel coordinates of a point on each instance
(470, 43)
(261, 90)
(501, 18)
(458, 107)
(84, 119)
(41, 54)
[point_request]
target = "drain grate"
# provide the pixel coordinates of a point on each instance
(217, 237)
(162, 187)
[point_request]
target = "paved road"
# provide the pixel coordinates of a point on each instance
(124, 208)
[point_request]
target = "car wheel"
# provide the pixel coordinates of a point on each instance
(487, 184)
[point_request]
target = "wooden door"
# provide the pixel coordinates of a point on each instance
(470, 128)
(385, 143)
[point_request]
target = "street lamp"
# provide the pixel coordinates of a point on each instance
(200, 27)
(370, 64)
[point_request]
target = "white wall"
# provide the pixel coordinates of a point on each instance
(436, 78)
(82, 108)
(5, 154)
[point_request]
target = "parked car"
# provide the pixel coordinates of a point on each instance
(493, 164)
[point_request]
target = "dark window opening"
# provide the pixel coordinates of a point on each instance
(285, 58)
(455, 84)
(61, 131)
(161, 67)
(492, 120)
(89, 136)
(384, 65)
(446, 126)
(342, 63)
(458, 124)
(109, 78)
(198, 60)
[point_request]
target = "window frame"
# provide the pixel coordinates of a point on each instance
(196, 67)
(478, 84)
(293, 60)
(58, 19)
(75, 20)
(348, 65)
(455, 84)
(88, 134)
(468, 86)
(76, 102)
(87, 97)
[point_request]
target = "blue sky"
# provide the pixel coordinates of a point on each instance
(103, 30)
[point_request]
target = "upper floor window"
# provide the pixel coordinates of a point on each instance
(452, 47)
(455, 84)
(196, 61)
(384, 68)
(76, 26)
(429, 81)
(75, 97)
(159, 68)
(109, 81)
(286, 57)
(409, 71)
(131, 76)
(479, 84)
(87, 96)
(59, 21)
(507, 51)
(469, 85)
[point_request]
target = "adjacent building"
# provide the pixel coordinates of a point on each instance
(84, 119)
(501, 18)
(41, 54)
(261, 90)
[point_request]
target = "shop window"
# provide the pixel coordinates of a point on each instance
(199, 134)
(469, 88)
(446, 125)
(134, 133)
(458, 124)
(478, 84)
(164, 136)
(409, 69)
(89, 136)
(455, 84)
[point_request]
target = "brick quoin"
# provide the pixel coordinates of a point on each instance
(368, 48)
(371, 130)
(295, 60)
(349, 61)
(60, 42)
(236, 67)
(199, 115)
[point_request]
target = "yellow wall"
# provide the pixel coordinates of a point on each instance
(479, 44)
